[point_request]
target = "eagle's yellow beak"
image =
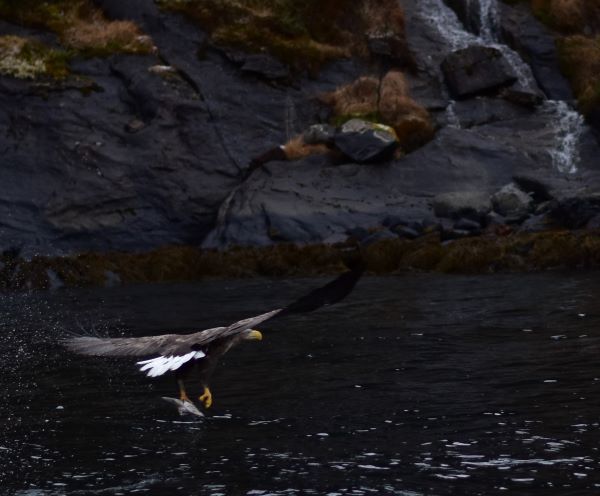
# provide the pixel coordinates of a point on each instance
(254, 335)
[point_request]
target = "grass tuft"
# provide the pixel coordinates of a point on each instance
(387, 101)
(79, 24)
(580, 61)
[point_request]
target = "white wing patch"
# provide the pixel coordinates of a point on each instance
(159, 365)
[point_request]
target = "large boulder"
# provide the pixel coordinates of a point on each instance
(477, 70)
(511, 201)
(366, 142)
(472, 205)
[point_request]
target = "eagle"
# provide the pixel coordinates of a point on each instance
(199, 352)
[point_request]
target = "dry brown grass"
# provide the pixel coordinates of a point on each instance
(296, 148)
(79, 24)
(569, 16)
(386, 100)
(99, 34)
(580, 60)
(383, 16)
(88, 30)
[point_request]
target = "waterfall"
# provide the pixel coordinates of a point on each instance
(452, 119)
(568, 126)
(445, 21)
(488, 20)
(567, 123)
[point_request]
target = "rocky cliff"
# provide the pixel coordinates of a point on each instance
(138, 149)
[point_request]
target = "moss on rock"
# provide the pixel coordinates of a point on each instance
(25, 58)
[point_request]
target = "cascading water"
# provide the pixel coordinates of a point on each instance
(488, 19)
(568, 124)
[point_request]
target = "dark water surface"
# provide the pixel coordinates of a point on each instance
(414, 385)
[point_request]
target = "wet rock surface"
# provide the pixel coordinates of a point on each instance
(134, 157)
(365, 142)
(476, 70)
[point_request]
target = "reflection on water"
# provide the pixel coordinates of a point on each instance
(420, 385)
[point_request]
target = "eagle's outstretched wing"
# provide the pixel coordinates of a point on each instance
(180, 345)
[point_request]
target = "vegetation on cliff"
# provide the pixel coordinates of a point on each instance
(81, 29)
(577, 24)
(384, 100)
(303, 34)
(27, 59)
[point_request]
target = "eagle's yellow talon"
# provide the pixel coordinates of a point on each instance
(206, 398)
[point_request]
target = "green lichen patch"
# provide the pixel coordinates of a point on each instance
(25, 58)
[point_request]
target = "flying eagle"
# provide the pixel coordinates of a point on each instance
(200, 351)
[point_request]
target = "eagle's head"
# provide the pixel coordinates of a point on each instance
(251, 335)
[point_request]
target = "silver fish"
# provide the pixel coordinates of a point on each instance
(184, 407)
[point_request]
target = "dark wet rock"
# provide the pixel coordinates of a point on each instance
(132, 157)
(377, 236)
(148, 160)
(457, 204)
(431, 226)
(545, 207)
(406, 232)
(482, 110)
(265, 66)
(388, 46)
(535, 223)
(576, 212)
(476, 70)
(358, 233)
(392, 221)
(524, 98)
(449, 235)
(594, 222)
(464, 224)
(54, 281)
(135, 125)
(365, 142)
(535, 188)
(319, 134)
(111, 279)
(536, 44)
(310, 200)
(511, 201)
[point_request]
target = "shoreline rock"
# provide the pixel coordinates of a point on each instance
(485, 253)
